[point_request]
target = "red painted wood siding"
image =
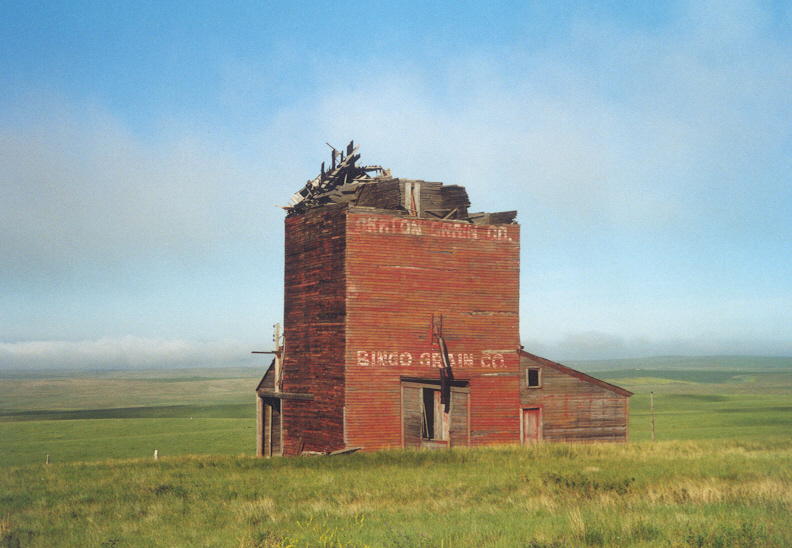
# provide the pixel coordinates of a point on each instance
(314, 316)
(399, 272)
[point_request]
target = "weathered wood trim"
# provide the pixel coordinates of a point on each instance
(281, 424)
(264, 377)
(626, 420)
(522, 426)
(259, 426)
(456, 385)
(268, 430)
(401, 413)
(344, 424)
(526, 371)
(469, 427)
(540, 426)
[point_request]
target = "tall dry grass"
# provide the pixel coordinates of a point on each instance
(642, 494)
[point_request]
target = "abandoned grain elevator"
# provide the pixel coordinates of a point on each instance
(401, 328)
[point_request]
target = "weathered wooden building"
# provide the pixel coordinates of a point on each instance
(401, 328)
(561, 404)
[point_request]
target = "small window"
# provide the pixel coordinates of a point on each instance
(533, 377)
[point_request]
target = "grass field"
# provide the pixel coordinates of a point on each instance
(126, 414)
(720, 473)
(724, 494)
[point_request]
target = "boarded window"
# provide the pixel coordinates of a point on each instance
(533, 377)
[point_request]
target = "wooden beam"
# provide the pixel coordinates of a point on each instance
(284, 395)
(268, 430)
(259, 426)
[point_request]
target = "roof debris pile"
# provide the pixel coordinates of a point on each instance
(375, 187)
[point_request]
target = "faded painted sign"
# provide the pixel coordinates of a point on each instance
(457, 231)
(486, 359)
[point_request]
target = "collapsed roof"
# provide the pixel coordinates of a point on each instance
(375, 187)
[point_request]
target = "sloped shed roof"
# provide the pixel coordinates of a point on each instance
(538, 360)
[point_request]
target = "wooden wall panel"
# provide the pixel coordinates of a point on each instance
(401, 271)
(411, 405)
(460, 410)
(495, 409)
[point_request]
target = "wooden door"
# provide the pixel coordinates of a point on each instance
(459, 433)
(411, 416)
(532, 425)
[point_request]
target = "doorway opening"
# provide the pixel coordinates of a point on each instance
(435, 421)
(425, 423)
(271, 427)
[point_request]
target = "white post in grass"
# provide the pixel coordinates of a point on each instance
(47, 461)
(156, 454)
(651, 408)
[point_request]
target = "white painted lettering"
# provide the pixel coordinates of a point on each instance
(488, 359)
(458, 231)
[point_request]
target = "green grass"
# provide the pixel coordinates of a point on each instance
(92, 439)
(728, 380)
(707, 404)
(220, 410)
(126, 414)
(726, 494)
(124, 389)
(132, 432)
(711, 416)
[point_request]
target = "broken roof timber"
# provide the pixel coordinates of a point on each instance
(373, 186)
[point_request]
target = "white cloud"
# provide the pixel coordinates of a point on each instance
(634, 129)
(593, 345)
(640, 130)
(80, 188)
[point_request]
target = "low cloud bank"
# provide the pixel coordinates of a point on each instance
(597, 345)
(146, 353)
(122, 353)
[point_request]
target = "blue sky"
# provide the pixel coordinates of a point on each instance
(647, 147)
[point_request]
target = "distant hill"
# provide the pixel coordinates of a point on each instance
(160, 374)
(713, 363)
